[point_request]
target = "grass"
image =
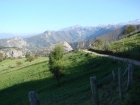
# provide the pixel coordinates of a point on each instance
(79, 67)
(11, 64)
(128, 47)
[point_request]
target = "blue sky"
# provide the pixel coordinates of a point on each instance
(36, 16)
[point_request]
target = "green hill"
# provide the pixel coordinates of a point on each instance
(127, 47)
(74, 89)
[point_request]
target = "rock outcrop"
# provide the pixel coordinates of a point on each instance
(14, 52)
(46, 51)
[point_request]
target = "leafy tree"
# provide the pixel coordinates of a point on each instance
(98, 42)
(55, 63)
(129, 29)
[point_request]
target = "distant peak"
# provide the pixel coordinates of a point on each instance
(47, 31)
(76, 25)
(107, 24)
(71, 28)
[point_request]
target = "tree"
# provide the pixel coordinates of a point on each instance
(98, 42)
(55, 63)
(129, 29)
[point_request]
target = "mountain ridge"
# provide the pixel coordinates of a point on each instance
(71, 34)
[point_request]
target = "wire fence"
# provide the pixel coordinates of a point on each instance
(83, 95)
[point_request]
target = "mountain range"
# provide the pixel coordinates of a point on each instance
(74, 35)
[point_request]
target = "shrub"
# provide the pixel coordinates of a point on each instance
(19, 57)
(1, 59)
(98, 42)
(18, 63)
(30, 58)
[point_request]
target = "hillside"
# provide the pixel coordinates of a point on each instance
(79, 67)
(106, 38)
(128, 46)
(111, 36)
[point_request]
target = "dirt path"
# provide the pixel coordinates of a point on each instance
(114, 57)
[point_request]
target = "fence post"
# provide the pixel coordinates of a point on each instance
(113, 74)
(33, 98)
(129, 77)
(20, 101)
(125, 71)
(69, 90)
(132, 71)
(120, 83)
(94, 90)
(51, 94)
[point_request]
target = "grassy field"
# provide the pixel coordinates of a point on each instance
(79, 67)
(9, 65)
(128, 47)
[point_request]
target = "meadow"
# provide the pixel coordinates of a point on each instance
(79, 67)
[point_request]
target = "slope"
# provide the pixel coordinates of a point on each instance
(127, 47)
(79, 67)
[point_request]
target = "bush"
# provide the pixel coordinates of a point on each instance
(19, 57)
(36, 56)
(1, 59)
(18, 63)
(30, 58)
(98, 42)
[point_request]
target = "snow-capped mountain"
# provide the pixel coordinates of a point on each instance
(133, 22)
(70, 34)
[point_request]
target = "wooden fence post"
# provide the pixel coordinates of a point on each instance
(93, 84)
(132, 71)
(51, 95)
(120, 83)
(113, 74)
(20, 101)
(125, 71)
(33, 98)
(129, 77)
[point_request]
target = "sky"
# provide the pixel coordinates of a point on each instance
(23, 17)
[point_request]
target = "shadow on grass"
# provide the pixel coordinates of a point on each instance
(78, 75)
